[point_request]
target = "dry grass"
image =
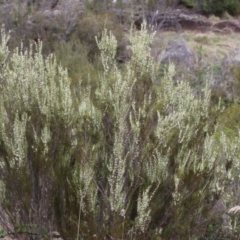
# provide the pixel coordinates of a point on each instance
(214, 46)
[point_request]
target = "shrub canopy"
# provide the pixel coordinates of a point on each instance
(135, 157)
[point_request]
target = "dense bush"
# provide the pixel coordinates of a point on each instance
(217, 7)
(189, 3)
(90, 26)
(97, 6)
(73, 55)
(127, 158)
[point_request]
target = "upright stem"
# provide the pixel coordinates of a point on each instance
(79, 218)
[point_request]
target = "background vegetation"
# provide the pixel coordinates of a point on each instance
(216, 7)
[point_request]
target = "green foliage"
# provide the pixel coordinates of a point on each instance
(115, 155)
(217, 7)
(189, 3)
(2, 233)
(229, 120)
(96, 6)
(235, 84)
(73, 55)
(90, 26)
(202, 40)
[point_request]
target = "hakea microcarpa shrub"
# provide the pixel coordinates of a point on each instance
(133, 158)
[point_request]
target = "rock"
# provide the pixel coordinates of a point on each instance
(177, 52)
(234, 25)
(224, 31)
(234, 57)
(179, 19)
(55, 236)
(194, 22)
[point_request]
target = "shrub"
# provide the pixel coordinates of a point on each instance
(129, 159)
(73, 55)
(217, 7)
(97, 7)
(32, 20)
(90, 26)
(189, 3)
(235, 83)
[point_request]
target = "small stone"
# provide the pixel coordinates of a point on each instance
(55, 235)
